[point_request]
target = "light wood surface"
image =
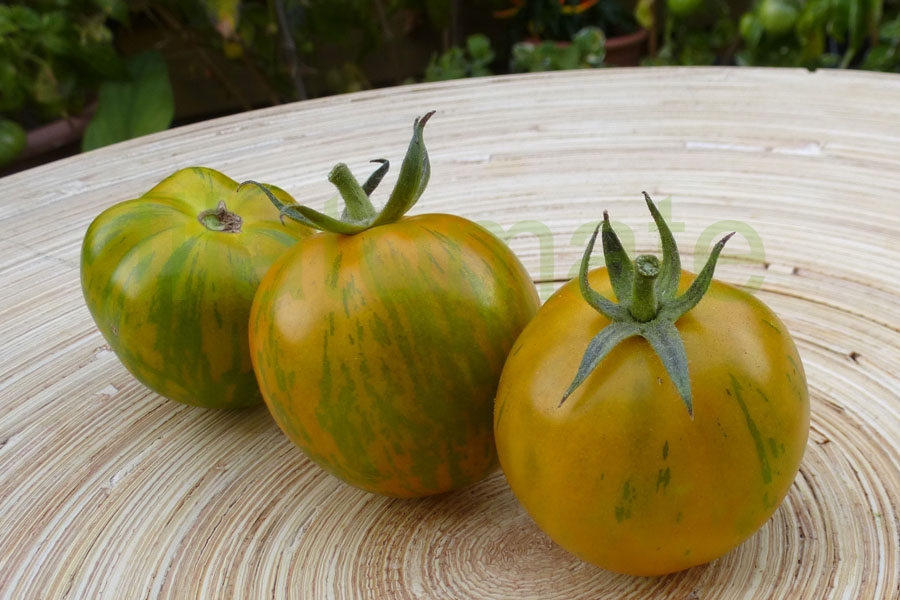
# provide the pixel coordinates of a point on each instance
(109, 491)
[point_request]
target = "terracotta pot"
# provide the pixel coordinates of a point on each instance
(626, 50)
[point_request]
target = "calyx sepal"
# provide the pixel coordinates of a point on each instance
(359, 213)
(648, 302)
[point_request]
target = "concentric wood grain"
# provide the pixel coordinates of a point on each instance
(109, 491)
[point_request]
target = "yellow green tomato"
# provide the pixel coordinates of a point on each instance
(379, 342)
(169, 278)
(657, 436)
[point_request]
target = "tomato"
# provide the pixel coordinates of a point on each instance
(12, 141)
(649, 445)
(778, 17)
(169, 278)
(683, 8)
(378, 350)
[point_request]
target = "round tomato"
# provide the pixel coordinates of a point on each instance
(378, 349)
(169, 279)
(647, 443)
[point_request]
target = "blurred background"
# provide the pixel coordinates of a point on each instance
(80, 74)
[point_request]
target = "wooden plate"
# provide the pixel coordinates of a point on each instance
(109, 491)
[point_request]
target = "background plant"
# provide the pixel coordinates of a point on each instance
(53, 57)
(810, 33)
(57, 57)
(587, 50)
(297, 49)
(885, 54)
(457, 63)
(560, 20)
(60, 57)
(54, 54)
(696, 32)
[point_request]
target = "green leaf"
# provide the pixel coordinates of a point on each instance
(55, 36)
(479, 48)
(7, 25)
(101, 61)
(890, 31)
(143, 104)
(645, 13)
(25, 18)
(12, 141)
(116, 9)
(45, 87)
(13, 92)
(449, 65)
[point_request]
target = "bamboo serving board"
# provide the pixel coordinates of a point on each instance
(108, 491)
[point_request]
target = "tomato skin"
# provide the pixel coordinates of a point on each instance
(378, 354)
(171, 297)
(620, 475)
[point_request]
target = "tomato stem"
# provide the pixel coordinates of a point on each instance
(357, 206)
(359, 213)
(648, 304)
(644, 303)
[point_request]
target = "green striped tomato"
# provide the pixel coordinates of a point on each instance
(378, 350)
(169, 278)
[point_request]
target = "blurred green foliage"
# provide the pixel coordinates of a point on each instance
(784, 33)
(586, 50)
(58, 57)
(54, 54)
(561, 20)
(457, 63)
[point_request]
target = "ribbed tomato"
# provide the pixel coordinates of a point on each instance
(169, 278)
(655, 434)
(378, 346)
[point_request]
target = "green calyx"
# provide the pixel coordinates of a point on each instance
(359, 213)
(648, 302)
